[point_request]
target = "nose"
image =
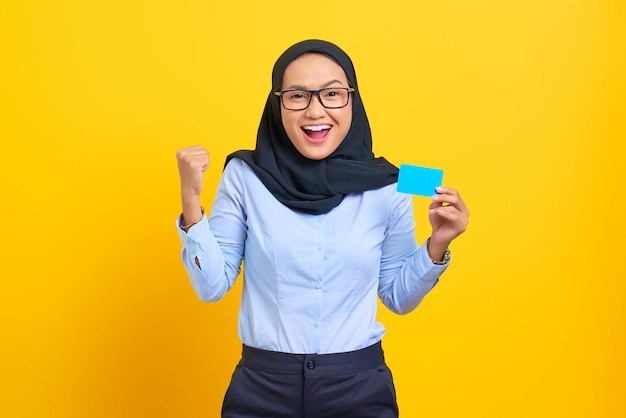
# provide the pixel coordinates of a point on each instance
(316, 109)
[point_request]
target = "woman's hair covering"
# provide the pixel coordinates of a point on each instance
(315, 186)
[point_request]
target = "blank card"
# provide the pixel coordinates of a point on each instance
(419, 180)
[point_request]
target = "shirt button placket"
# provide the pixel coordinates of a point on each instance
(316, 285)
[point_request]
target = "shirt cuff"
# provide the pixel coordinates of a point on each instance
(195, 233)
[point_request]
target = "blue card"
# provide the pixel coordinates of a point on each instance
(419, 180)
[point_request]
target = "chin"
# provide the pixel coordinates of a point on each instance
(319, 151)
(316, 155)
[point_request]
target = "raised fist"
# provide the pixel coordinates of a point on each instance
(192, 163)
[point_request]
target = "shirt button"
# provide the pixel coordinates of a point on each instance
(318, 286)
(319, 247)
(310, 365)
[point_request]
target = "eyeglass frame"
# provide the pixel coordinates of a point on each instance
(315, 93)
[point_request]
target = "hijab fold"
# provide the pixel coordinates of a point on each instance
(315, 186)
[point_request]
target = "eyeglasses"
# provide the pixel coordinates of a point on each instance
(330, 98)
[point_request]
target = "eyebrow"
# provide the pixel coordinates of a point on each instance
(298, 87)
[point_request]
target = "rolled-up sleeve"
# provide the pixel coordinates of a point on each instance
(407, 273)
(217, 243)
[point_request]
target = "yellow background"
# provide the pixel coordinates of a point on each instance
(521, 102)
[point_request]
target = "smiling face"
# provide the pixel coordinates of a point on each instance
(316, 132)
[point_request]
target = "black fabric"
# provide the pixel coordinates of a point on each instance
(356, 384)
(315, 186)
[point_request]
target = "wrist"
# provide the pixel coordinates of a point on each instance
(437, 251)
(187, 221)
(192, 211)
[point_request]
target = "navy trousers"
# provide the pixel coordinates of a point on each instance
(268, 384)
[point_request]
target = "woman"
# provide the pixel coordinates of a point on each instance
(323, 232)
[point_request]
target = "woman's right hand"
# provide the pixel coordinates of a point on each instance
(192, 163)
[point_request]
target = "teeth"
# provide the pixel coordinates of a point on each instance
(316, 127)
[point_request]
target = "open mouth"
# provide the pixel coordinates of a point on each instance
(316, 132)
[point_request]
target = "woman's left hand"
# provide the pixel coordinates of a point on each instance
(448, 217)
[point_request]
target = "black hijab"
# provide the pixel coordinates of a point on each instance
(315, 186)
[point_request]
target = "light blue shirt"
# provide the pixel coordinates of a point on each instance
(310, 281)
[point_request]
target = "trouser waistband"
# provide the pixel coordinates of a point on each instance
(319, 364)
